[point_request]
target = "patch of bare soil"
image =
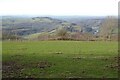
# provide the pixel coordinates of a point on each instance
(10, 69)
(77, 58)
(13, 69)
(44, 64)
(58, 53)
(40, 64)
(113, 66)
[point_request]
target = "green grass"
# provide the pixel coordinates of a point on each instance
(60, 59)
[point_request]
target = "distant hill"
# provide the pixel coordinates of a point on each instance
(32, 27)
(89, 24)
(26, 26)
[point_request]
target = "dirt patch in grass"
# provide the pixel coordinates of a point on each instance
(117, 58)
(10, 69)
(44, 64)
(113, 66)
(40, 64)
(14, 69)
(58, 53)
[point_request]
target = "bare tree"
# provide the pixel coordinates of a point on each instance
(62, 33)
(108, 26)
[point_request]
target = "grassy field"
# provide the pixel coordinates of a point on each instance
(60, 59)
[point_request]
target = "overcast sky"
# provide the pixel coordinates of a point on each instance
(59, 7)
